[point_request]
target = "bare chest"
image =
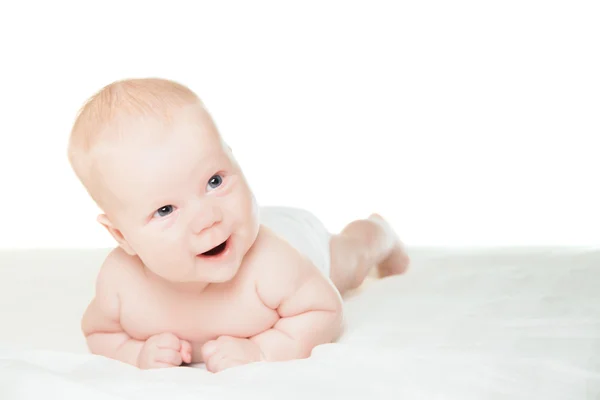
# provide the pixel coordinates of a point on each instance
(233, 311)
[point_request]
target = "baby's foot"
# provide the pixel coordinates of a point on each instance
(397, 261)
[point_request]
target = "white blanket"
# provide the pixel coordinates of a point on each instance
(462, 324)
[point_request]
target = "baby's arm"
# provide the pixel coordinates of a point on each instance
(103, 331)
(309, 306)
(100, 323)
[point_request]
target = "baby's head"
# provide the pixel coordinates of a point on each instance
(149, 154)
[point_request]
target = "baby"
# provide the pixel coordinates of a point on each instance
(201, 273)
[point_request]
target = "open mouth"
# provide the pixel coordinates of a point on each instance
(215, 251)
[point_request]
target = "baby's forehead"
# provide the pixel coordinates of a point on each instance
(149, 167)
(140, 137)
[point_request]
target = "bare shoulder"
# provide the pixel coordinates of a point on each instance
(273, 258)
(117, 270)
(282, 272)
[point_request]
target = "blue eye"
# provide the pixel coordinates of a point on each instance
(164, 210)
(214, 182)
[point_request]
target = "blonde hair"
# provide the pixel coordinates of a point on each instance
(98, 119)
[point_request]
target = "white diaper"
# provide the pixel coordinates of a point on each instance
(302, 230)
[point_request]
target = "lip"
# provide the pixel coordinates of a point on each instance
(219, 256)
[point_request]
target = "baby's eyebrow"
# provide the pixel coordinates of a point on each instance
(151, 204)
(155, 205)
(206, 164)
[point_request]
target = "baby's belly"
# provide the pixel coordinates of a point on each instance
(197, 321)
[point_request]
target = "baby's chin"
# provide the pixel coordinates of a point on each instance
(199, 283)
(218, 274)
(213, 273)
(202, 276)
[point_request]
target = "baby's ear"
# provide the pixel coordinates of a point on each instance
(104, 221)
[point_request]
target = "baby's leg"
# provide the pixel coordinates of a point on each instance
(361, 245)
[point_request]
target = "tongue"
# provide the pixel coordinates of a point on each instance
(215, 251)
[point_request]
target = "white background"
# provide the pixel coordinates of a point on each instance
(464, 123)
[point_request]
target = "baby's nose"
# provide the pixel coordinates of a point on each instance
(205, 219)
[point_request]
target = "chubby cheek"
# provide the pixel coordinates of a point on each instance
(251, 214)
(244, 206)
(247, 221)
(164, 254)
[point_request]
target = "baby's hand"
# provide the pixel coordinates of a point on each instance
(227, 352)
(164, 350)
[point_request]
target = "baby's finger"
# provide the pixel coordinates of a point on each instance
(168, 341)
(212, 362)
(208, 349)
(186, 351)
(168, 356)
